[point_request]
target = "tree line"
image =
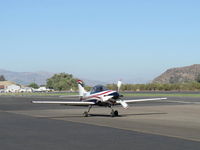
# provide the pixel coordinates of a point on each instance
(190, 86)
(64, 81)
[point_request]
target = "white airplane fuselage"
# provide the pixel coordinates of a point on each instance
(103, 98)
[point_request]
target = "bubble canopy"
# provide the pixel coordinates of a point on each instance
(98, 88)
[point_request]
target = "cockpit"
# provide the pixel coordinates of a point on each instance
(98, 88)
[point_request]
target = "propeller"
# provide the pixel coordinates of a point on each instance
(123, 103)
(119, 84)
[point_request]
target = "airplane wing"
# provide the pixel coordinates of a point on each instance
(143, 100)
(70, 103)
(125, 105)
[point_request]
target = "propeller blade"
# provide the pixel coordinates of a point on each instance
(124, 104)
(119, 84)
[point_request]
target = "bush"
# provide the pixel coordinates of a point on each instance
(2, 78)
(62, 81)
(33, 85)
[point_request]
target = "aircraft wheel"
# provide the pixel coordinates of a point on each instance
(116, 113)
(85, 114)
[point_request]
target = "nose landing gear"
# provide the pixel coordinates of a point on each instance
(114, 113)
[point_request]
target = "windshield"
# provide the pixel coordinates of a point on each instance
(98, 88)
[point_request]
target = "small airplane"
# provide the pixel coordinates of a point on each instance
(100, 96)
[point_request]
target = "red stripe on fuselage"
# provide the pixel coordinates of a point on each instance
(97, 95)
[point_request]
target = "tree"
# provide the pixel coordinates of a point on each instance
(62, 81)
(2, 78)
(33, 85)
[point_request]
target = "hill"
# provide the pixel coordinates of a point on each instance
(40, 78)
(26, 77)
(179, 75)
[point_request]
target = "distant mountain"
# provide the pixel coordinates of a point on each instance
(40, 78)
(179, 75)
(26, 78)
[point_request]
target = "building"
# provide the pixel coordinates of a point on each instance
(2, 87)
(4, 84)
(26, 90)
(12, 88)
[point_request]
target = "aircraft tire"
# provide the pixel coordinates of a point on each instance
(116, 113)
(85, 114)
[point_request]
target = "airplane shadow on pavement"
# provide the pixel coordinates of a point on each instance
(102, 115)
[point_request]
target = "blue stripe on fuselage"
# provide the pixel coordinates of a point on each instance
(115, 95)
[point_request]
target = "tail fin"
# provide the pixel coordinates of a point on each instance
(81, 89)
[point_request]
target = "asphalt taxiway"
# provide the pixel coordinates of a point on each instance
(168, 124)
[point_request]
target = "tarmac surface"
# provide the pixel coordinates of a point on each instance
(169, 124)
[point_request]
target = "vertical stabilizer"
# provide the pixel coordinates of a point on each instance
(81, 89)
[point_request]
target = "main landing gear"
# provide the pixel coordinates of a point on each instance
(85, 114)
(114, 113)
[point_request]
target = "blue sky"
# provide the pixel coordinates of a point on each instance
(135, 40)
